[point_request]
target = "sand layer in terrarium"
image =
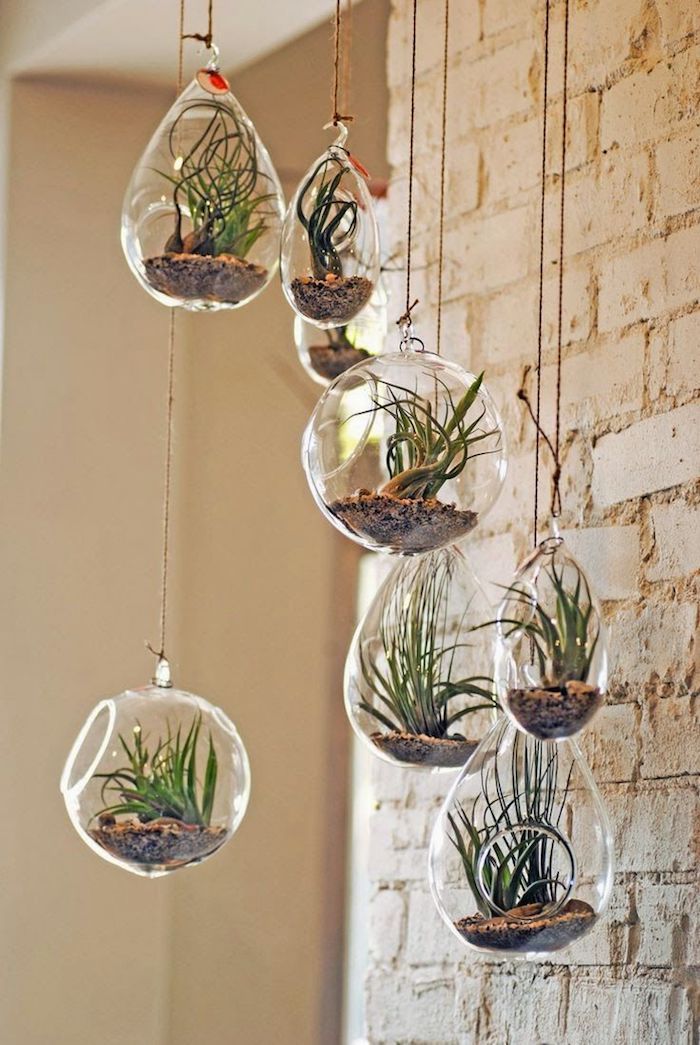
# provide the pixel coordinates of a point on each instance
(335, 298)
(540, 932)
(330, 361)
(158, 843)
(403, 524)
(420, 750)
(223, 278)
(554, 711)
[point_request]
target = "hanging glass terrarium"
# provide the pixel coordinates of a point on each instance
(329, 259)
(325, 355)
(551, 661)
(158, 779)
(418, 686)
(405, 452)
(521, 852)
(202, 214)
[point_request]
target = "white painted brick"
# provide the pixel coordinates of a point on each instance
(678, 167)
(498, 15)
(387, 914)
(506, 1012)
(646, 282)
(665, 721)
(677, 541)
(416, 1008)
(608, 941)
(610, 557)
(496, 252)
(678, 21)
(609, 207)
(622, 1012)
(669, 919)
(493, 560)
(600, 39)
(398, 844)
(642, 650)
(655, 827)
(683, 374)
(655, 454)
(611, 744)
(641, 106)
(429, 940)
(503, 82)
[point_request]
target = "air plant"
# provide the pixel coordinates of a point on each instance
(565, 641)
(215, 182)
(163, 782)
(416, 688)
(328, 214)
(430, 446)
(519, 868)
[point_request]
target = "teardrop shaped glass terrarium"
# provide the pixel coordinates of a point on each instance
(521, 858)
(203, 211)
(551, 658)
(324, 356)
(405, 453)
(329, 260)
(158, 779)
(418, 685)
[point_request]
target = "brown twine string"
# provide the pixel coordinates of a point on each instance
(167, 486)
(347, 56)
(205, 38)
(406, 318)
(443, 153)
(562, 197)
(543, 176)
(337, 117)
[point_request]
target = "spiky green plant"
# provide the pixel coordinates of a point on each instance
(216, 183)
(519, 868)
(563, 642)
(433, 438)
(328, 214)
(163, 782)
(414, 681)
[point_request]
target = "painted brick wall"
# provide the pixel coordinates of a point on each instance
(632, 446)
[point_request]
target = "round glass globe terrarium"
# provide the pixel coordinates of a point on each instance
(405, 452)
(551, 657)
(203, 211)
(418, 686)
(158, 779)
(520, 859)
(329, 257)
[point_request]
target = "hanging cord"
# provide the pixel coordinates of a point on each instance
(205, 38)
(562, 198)
(347, 56)
(443, 152)
(337, 117)
(543, 176)
(404, 321)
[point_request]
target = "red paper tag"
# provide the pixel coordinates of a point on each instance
(212, 81)
(358, 166)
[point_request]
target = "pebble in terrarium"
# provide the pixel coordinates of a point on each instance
(520, 859)
(158, 779)
(202, 214)
(551, 657)
(418, 685)
(329, 260)
(405, 452)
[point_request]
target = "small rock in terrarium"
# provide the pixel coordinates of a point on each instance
(405, 452)
(330, 248)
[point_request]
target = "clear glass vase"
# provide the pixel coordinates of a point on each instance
(203, 211)
(551, 653)
(329, 259)
(418, 685)
(405, 453)
(328, 354)
(521, 860)
(158, 779)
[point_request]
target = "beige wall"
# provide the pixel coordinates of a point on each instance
(235, 952)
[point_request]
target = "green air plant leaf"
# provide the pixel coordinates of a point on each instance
(327, 213)
(216, 182)
(412, 679)
(163, 782)
(518, 869)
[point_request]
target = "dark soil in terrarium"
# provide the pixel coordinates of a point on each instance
(224, 278)
(554, 711)
(336, 298)
(163, 842)
(547, 932)
(330, 362)
(420, 750)
(403, 524)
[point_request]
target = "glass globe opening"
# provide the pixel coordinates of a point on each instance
(418, 686)
(405, 453)
(158, 779)
(521, 853)
(551, 660)
(203, 211)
